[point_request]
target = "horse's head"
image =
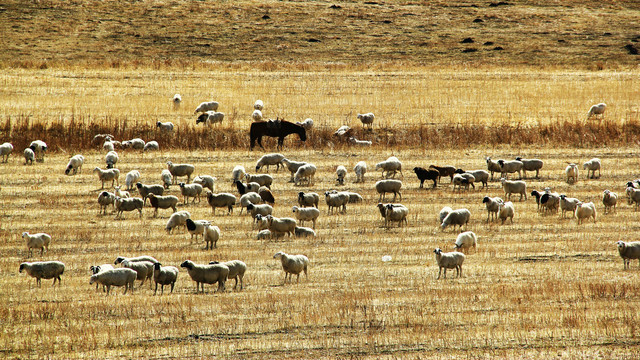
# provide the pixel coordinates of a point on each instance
(302, 133)
(202, 118)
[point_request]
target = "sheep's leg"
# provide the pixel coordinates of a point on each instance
(439, 273)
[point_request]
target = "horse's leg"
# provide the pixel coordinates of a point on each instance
(280, 142)
(260, 142)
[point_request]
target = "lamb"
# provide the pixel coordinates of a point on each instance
(266, 234)
(293, 265)
(514, 187)
(493, 166)
(336, 200)
(363, 143)
(177, 99)
(308, 199)
(596, 110)
(180, 170)
(177, 219)
(166, 127)
(307, 172)
(196, 228)
(301, 231)
(459, 217)
(281, 225)
(367, 120)
(256, 115)
(190, 190)
(629, 251)
(427, 174)
(531, 165)
(292, 166)
(262, 223)
(261, 179)
(585, 211)
(151, 146)
(360, 169)
(465, 241)
(163, 202)
(237, 174)
(341, 172)
(108, 175)
(354, 197)
(221, 200)
(262, 209)
(111, 159)
(166, 177)
(266, 195)
(5, 151)
(461, 180)
(568, 204)
(207, 274)
(210, 118)
(75, 164)
(131, 179)
(258, 105)
(591, 166)
(38, 147)
(270, 159)
(130, 204)
(237, 269)
(37, 241)
(211, 236)
(143, 269)
(506, 211)
(443, 214)
(29, 156)
(307, 124)
(537, 196)
(121, 193)
(450, 260)
(164, 275)
(572, 173)
(207, 106)
(145, 190)
(205, 181)
(493, 206)
(44, 270)
(512, 166)
(115, 277)
(390, 166)
(104, 200)
(306, 214)
(388, 186)
(447, 170)
(121, 259)
(395, 212)
(609, 200)
(136, 144)
(249, 198)
(633, 196)
(98, 269)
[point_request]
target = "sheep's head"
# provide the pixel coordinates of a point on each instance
(518, 158)
(437, 251)
(157, 266)
(459, 171)
(621, 246)
(202, 118)
(486, 199)
(181, 185)
(119, 259)
(278, 255)
(294, 209)
(187, 264)
(501, 162)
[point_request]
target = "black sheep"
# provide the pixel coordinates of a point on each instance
(427, 174)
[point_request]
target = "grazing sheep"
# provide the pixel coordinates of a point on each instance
(514, 187)
(568, 204)
(166, 127)
(37, 241)
(207, 106)
(506, 211)
(108, 175)
(177, 219)
(443, 214)
(388, 186)
(75, 164)
(261, 179)
(121, 259)
(394, 212)
(301, 231)
(29, 156)
(190, 190)
(5, 151)
(265, 234)
(163, 202)
(609, 200)
(260, 209)
(270, 159)
(450, 260)
(427, 174)
(531, 165)
(308, 199)
(180, 170)
(307, 172)
(591, 166)
(266, 195)
(363, 143)
(292, 166)
(196, 227)
(205, 181)
(167, 178)
(258, 105)
(360, 169)
(44, 270)
(585, 211)
(262, 223)
(493, 166)
(164, 275)
(341, 172)
(249, 198)
(98, 269)
(459, 217)
(390, 167)
(307, 124)
(207, 274)
(465, 241)
(572, 173)
(306, 214)
(256, 115)
(509, 167)
(481, 176)
(151, 146)
(210, 118)
(493, 206)
(211, 236)
(237, 269)
(131, 179)
(143, 269)
(221, 200)
(177, 99)
(246, 188)
(629, 251)
(366, 120)
(130, 204)
(38, 147)
(447, 170)
(336, 200)
(354, 197)
(115, 277)
(596, 110)
(104, 200)
(145, 190)
(135, 144)
(281, 225)
(461, 180)
(111, 159)
(237, 174)
(293, 265)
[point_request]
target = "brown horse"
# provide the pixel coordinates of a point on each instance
(274, 128)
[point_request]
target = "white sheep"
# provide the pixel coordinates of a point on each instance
(130, 204)
(190, 190)
(207, 274)
(166, 177)
(390, 166)
(256, 115)
(258, 105)
(177, 99)
(108, 146)
(177, 219)
(609, 200)
(572, 173)
(596, 110)
(121, 259)
(261, 179)
(591, 166)
(305, 172)
(120, 193)
(108, 175)
(249, 198)
(336, 200)
(493, 166)
(629, 251)
(292, 166)
(307, 124)
(211, 236)
(136, 144)
(259, 209)
(633, 196)
(115, 277)
(196, 227)
(302, 231)
(180, 170)
(292, 265)
(207, 106)
(75, 164)
(585, 211)
(568, 204)
(238, 173)
(395, 212)
(151, 146)
(343, 132)
(360, 169)
(362, 143)
(443, 214)
(282, 225)
(104, 200)
(163, 202)
(459, 217)
(367, 120)
(144, 190)
(100, 138)
(479, 176)
(222, 200)
(261, 223)
(39, 147)
(166, 127)
(341, 173)
(270, 159)
(450, 260)
(164, 275)
(465, 241)
(306, 214)
(506, 211)
(388, 186)
(493, 206)
(531, 165)
(205, 181)
(5, 151)
(37, 241)
(100, 268)
(464, 179)
(237, 269)
(144, 270)
(29, 156)
(131, 179)
(510, 166)
(210, 118)
(514, 187)
(111, 159)
(44, 270)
